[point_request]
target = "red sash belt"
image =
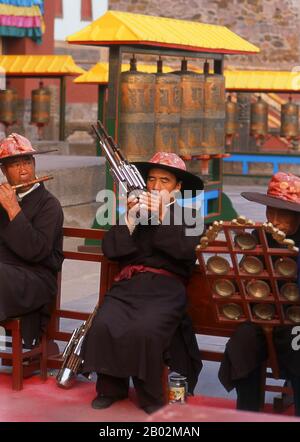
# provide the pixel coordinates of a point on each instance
(128, 271)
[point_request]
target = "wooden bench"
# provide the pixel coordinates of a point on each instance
(199, 303)
(24, 361)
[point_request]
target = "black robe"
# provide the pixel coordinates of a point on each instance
(132, 332)
(247, 348)
(30, 257)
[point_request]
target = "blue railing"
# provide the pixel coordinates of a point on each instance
(274, 159)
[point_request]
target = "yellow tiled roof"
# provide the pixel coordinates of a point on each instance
(116, 27)
(22, 65)
(285, 81)
(98, 74)
(234, 80)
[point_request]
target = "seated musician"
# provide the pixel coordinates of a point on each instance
(246, 350)
(31, 220)
(142, 323)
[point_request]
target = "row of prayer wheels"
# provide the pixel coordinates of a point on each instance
(259, 119)
(40, 106)
(186, 112)
(182, 112)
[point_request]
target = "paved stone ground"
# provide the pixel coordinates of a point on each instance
(244, 207)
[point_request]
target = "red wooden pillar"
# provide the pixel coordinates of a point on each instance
(58, 7)
(86, 10)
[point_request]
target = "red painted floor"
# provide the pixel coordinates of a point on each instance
(202, 413)
(44, 402)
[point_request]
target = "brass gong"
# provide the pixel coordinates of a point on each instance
(293, 313)
(232, 311)
(264, 311)
(218, 265)
(290, 291)
(258, 289)
(224, 287)
(251, 265)
(245, 241)
(286, 267)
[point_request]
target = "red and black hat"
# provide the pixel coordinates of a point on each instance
(16, 145)
(283, 193)
(174, 164)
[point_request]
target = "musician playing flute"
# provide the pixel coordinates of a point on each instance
(142, 325)
(31, 221)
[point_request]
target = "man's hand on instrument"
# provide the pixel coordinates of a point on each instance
(8, 201)
(166, 199)
(133, 207)
(150, 204)
(155, 203)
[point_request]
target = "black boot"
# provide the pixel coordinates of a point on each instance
(110, 389)
(101, 402)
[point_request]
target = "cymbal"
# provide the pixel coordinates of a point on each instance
(258, 288)
(232, 311)
(218, 265)
(286, 267)
(264, 311)
(252, 265)
(293, 313)
(224, 287)
(246, 241)
(290, 291)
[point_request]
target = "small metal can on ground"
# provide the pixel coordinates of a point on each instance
(177, 389)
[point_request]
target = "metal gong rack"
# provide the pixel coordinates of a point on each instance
(248, 279)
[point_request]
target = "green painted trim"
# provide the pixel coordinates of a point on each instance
(228, 212)
(100, 112)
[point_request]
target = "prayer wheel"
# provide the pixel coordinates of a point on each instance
(289, 120)
(167, 111)
(40, 105)
(231, 121)
(191, 114)
(259, 119)
(231, 124)
(213, 140)
(8, 106)
(137, 113)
